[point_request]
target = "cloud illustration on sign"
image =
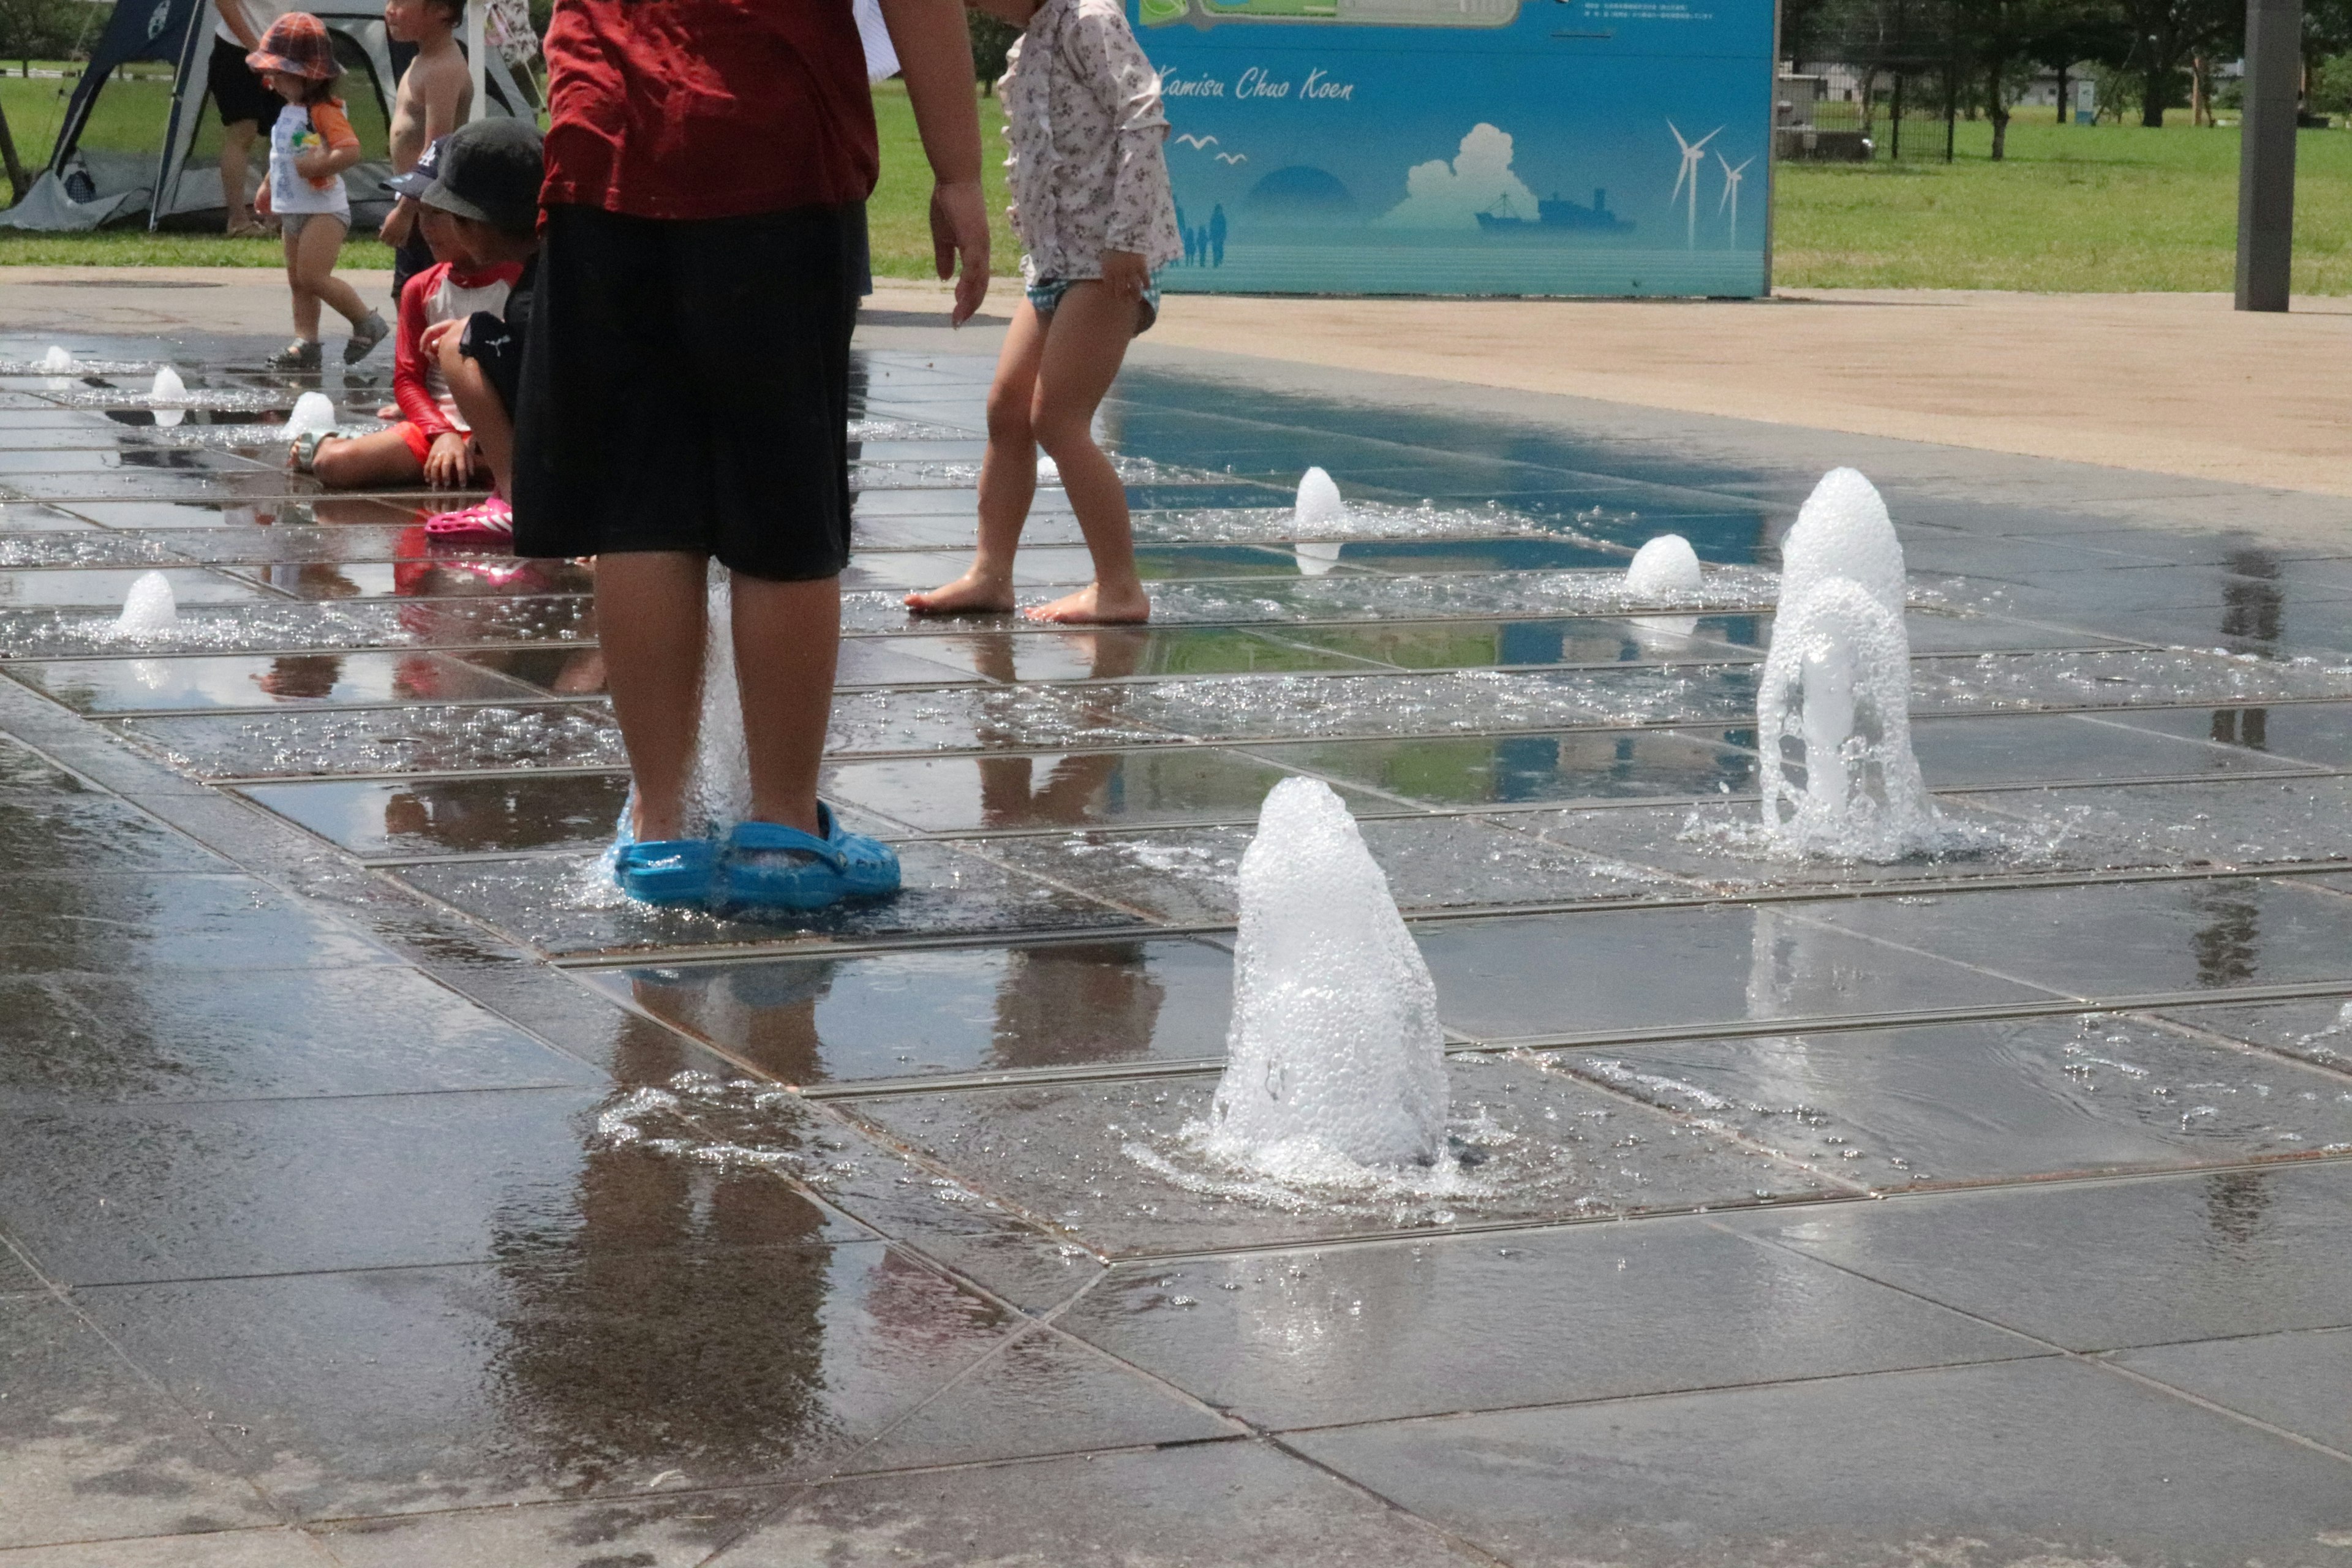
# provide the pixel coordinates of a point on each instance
(1439, 194)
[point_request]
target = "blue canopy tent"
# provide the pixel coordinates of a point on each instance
(84, 188)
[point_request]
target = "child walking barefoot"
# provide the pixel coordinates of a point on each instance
(1091, 204)
(311, 145)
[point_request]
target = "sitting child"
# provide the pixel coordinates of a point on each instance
(487, 186)
(433, 441)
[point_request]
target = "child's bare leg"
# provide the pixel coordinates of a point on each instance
(1083, 348)
(649, 620)
(484, 410)
(306, 303)
(319, 244)
(378, 457)
(1008, 478)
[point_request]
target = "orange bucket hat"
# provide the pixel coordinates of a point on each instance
(297, 44)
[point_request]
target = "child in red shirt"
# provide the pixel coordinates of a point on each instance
(431, 442)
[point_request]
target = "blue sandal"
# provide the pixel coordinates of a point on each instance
(869, 867)
(770, 866)
(667, 871)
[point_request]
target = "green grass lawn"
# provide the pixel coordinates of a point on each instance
(2072, 208)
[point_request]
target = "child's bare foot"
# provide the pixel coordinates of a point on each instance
(1090, 606)
(969, 595)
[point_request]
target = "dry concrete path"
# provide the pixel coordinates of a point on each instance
(2165, 384)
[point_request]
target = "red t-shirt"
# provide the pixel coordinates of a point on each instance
(703, 108)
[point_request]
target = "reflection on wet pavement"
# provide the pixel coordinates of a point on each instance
(376, 1180)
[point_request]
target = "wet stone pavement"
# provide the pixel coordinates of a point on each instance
(376, 1187)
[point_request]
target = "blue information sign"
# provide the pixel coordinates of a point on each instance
(1595, 147)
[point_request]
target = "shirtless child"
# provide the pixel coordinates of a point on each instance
(435, 91)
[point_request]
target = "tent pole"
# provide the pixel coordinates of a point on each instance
(169, 161)
(478, 57)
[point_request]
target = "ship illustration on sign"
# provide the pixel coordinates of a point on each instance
(1555, 212)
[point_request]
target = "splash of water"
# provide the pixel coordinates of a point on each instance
(719, 789)
(57, 361)
(149, 609)
(1665, 565)
(1318, 506)
(168, 397)
(1833, 721)
(314, 412)
(1842, 531)
(1334, 1058)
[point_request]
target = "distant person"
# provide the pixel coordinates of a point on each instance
(433, 441)
(435, 93)
(706, 165)
(485, 184)
(1091, 201)
(243, 100)
(1217, 233)
(310, 144)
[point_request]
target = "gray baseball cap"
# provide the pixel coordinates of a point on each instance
(489, 170)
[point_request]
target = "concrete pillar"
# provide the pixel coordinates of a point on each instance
(2266, 154)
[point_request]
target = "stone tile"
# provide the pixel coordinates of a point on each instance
(425, 574)
(562, 905)
(1625, 970)
(107, 590)
(483, 814)
(1510, 770)
(1045, 1394)
(1446, 1323)
(1117, 1163)
(2044, 1461)
(88, 1039)
(2319, 1030)
(419, 739)
(89, 1449)
(904, 1014)
(571, 1375)
(1969, 1103)
(1101, 789)
(1130, 1508)
(2319, 733)
(2246, 821)
(166, 1192)
(2295, 1381)
(288, 626)
(1117, 652)
(51, 821)
(2058, 748)
(653, 1530)
(2103, 1265)
(287, 680)
(2118, 941)
(112, 923)
(1477, 645)
(227, 1549)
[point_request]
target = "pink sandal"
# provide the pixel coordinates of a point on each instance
(492, 521)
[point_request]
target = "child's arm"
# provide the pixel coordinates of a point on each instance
(418, 403)
(343, 145)
(934, 47)
(1128, 90)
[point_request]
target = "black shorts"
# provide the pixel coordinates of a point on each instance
(686, 387)
(237, 89)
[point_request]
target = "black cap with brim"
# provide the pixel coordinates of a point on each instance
(490, 171)
(419, 180)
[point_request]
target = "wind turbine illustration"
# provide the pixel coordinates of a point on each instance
(1731, 178)
(1694, 154)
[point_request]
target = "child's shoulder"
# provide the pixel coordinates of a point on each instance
(443, 70)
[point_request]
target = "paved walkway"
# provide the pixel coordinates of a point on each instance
(377, 1188)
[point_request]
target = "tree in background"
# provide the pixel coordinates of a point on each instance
(2076, 31)
(989, 41)
(30, 30)
(2166, 34)
(2003, 39)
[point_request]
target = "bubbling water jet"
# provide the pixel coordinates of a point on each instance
(149, 609)
(1842, 531)
(57, 361)
(168, 397)
(314, 413)
(1318, 504)
(1666, 567)
(1335, 1059)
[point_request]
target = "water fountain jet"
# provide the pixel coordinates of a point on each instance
(314, 413)
(1843, 531)
(168, 397)
(149, 609)
(1335, 1053)
(1318, 504)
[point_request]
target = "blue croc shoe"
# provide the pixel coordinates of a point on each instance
(869, 867)
(666, 870)
(771, 867)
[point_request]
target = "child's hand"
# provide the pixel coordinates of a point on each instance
(448, 465)
(261, 198)
(1125, 275)
(960, 234)
(314, 165)
(398, 222)
(439, 339)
